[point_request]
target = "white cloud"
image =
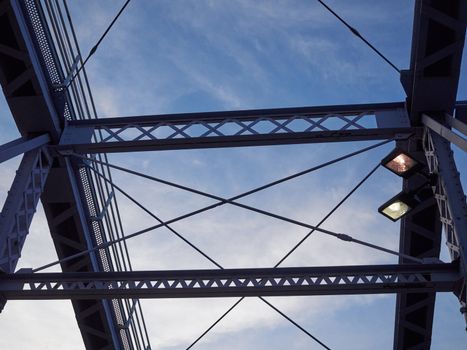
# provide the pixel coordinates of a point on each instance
(233, 55)
(238, 238)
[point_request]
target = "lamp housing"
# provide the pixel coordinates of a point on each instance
(398, 206)
(401, 163)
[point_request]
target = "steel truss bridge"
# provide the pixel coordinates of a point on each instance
(64, 166)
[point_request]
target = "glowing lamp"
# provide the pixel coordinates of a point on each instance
(398, 206)
(400, 163)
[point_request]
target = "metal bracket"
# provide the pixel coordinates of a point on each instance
(70, 75)
(104, 209)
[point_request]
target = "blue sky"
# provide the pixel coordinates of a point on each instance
(181, 56)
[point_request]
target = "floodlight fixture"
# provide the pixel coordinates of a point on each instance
(398, 206)
(401, 163)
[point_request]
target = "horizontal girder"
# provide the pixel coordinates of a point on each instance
(237, 128)
(335, 280)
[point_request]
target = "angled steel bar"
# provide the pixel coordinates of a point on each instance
(457, 123)
(28, 70)
(294, 323)
(445, 132)
(322, 221)
(229, 200)
(38, 51)
(21, 145)
(331, 280)
(232, 201)
(451, 204)
(20, 206)
(237, 128)
(81, 105)
(449, 195)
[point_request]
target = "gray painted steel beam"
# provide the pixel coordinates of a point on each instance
(20, 206)
(26, 78)
(235, 141)
(52, 101)
(20, 146)
(420, 236)
(431, 85)
(445, 132)
(449, 195)
(437, 43)
(452, 204)
(237, 128)
(332, 280)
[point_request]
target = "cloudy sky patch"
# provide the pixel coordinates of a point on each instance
(184, 56)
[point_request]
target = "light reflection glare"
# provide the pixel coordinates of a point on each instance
(401, 164)
(396, 210)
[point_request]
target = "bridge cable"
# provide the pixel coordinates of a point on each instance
(171, 229)
(94, 48)
(285, 316)
(90, 109)
(254, 190)
(103, 245)
(207, 257)
(337, 206)
(230, 200)
(372, 171)
(288, 254)
(360, 36)
(341, 202)
(222, 201)
(257, 189)
(219, 266)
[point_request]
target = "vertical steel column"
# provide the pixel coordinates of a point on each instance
(451, 203)
(420, 237)
(431, 85)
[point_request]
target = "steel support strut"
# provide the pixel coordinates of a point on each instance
(451, 203)
(21, 145)
(431, 85)
(420, 236)
(28, 70)
(332, 280)
(20, 206)
(237, 128)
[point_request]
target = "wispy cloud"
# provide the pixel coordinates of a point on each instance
(170, 56)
